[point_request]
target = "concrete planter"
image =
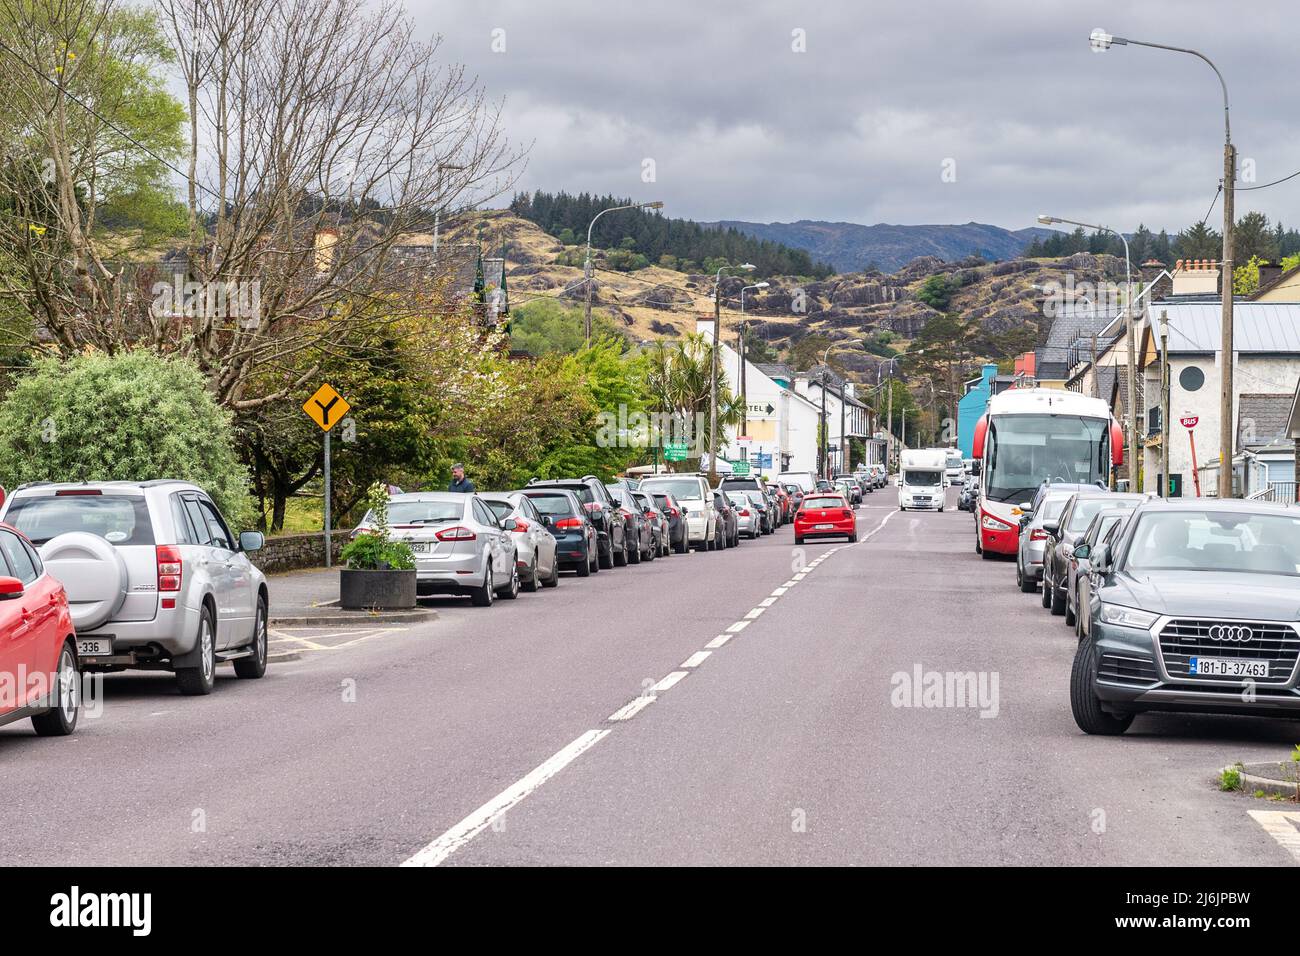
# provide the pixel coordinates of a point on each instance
(376, 589)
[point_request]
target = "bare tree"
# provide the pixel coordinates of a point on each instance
(323, 135)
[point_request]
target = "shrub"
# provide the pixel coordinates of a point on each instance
(126, 417)
(374, 550)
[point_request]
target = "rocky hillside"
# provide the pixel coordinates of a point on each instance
(850, 246)
(851, 308)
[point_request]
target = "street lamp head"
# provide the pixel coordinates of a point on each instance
(748, 266)
(657, 204)
(1047, 220)
(1101, 41)
(761, 285)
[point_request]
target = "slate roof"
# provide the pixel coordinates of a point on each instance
(1262, 418)
(1052, 359)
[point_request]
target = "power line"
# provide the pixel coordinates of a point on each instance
(1273, 183)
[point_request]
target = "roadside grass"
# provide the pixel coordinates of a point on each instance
(301, 515)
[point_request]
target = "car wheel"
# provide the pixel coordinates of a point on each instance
(1084, 702)
(1078, 620)
(1047, 589)
(798, 539)
(1027, 583)
(853, 538)
(1056, 602)
(632, 555)
(512, 589)
(482, 596)
(254, 665)
(1069, 611)
(979, 547)
(584, 568)
(607, 557)
(61, 719)
(553, 581)
(197, 681)
(683, 546)
(533, 582)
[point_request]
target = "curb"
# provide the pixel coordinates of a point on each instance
(350, 618)
(1250, 783)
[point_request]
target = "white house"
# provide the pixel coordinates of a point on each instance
(781, 424)
(1266, 361)
(846, 416)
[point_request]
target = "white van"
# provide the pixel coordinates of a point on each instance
(806, 480)
(955, 468)
(922, 483)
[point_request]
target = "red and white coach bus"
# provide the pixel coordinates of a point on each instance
(1032, 435)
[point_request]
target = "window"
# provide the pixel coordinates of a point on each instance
(118, 519)
(184, 533)
(36, 558)
(482, 514)
(198, 527)
(553, 504)
(1216, 541)
(217, 532)
(1191, 379)
(19, 560)
(424, 512)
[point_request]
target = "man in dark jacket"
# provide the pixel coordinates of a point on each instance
(459, 483)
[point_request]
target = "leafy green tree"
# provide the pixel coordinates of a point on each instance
(131, 416)
(1252, 237)
(547, 326)
(1198, 242)
(937, 291)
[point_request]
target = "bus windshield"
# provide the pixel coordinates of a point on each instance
(1026, 450)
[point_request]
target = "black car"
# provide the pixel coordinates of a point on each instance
(1063, 534)
(1192, 608)
(638, 537)
(657, 520)
(563, 513)
(600, 506)
(730, 522)
(677, 530)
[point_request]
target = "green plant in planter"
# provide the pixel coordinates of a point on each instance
(374, 550)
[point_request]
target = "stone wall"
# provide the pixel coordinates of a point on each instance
(289, 552)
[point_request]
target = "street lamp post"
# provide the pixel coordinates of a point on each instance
(744, 408)
(713, 376)
(586, 269)
(1131, 399)
(1101, 41)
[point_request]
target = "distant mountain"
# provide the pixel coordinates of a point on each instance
(852, 247)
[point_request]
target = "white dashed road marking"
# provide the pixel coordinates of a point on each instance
(1281, 826)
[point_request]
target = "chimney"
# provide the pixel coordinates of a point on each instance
(326, 240)
(1152, 272)
(1268, 271)
(1196, 277)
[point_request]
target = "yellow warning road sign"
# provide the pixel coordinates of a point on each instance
(326, 407)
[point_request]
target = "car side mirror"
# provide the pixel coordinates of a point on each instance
(548, 521)
(10, 588)
(1052, 527)
(251, 541)
(509, 524)
(1082, 552)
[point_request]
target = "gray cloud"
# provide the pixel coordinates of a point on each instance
(858, 127)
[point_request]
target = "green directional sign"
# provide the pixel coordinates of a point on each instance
(740, 467)
(675, 451)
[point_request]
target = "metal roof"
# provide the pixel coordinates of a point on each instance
(1261, 327)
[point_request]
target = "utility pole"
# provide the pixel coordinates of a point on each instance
(713, 375)
(889, 428)
(822, 468)
(844, 439)
(1226, 431)
(1166, 431)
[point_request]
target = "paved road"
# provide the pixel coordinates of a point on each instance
(485, 737)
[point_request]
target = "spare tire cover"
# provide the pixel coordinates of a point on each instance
(91, 571)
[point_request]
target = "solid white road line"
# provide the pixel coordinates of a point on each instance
(482, 818)
(633, 707)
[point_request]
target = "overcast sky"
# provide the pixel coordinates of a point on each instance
(858, 127)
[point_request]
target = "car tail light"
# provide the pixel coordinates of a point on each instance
(1038, 534)
(457, 533)
(674, 513)
(625, 513)
(521, 524)
(744, 512)
(846, 513)
(569, 523)
(591, 505)
(170, 568)
(77, 491)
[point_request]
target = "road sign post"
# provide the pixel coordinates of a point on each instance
(326, 408)
(1189, 422)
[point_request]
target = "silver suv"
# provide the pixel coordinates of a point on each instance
(155, 579)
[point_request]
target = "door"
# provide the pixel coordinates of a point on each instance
(498, 553)
(236, 576)
(24, 622)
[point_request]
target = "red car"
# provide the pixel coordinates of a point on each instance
(824, 516)
(39, 676)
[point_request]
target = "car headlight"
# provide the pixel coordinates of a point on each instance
(1127, 616)
(993, 524)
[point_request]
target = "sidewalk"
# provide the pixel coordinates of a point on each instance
(311, 598)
